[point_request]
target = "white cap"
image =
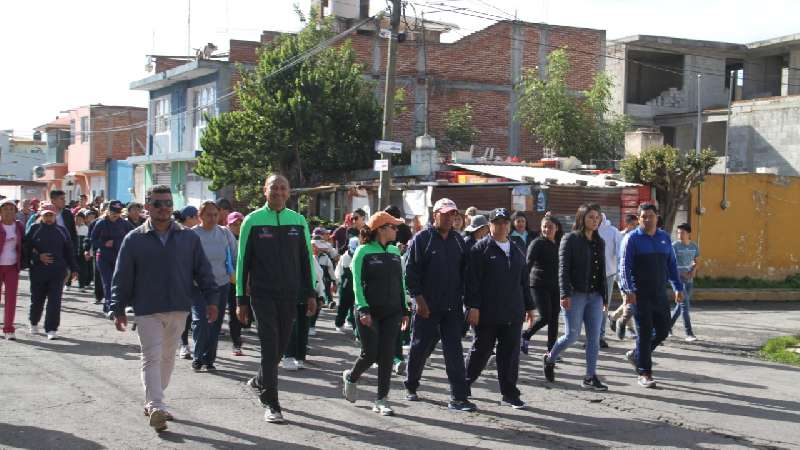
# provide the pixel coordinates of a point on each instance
(444, 205)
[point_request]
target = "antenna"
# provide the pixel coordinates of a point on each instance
(189, 28)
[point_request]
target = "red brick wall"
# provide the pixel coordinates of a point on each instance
(583, 49)
(244, 51)
(124, 143)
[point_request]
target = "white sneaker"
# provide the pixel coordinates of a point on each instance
(349, 389)
(348, 326)
(185, 353)
(10, 336)
(312, 331)
(340, 329)
(290, 364)
(129, 310)
(400, 368)
(300, 364)
(52, 335)
(383, 408)
(691, 338)
(34, 329)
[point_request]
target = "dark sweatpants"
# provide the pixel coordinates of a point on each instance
(650, 315)
(507, 338)
(47, 287)
(274, 320)
(548, 305)
(424, 336)
(377, 345)
(298, 341)
(234, 325)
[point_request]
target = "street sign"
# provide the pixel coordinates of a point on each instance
(381, 165)
(389, 147)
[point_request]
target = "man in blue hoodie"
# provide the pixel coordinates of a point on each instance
(161, 271)
(646, 262)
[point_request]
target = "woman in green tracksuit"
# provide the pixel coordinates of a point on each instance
(381, 305)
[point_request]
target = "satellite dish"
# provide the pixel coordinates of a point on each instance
(38, 171)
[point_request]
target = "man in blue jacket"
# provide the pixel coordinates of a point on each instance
(161, 271)
(499, 300)
(647, 261)
(437, 263)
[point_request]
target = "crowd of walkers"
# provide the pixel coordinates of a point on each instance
(391, 287)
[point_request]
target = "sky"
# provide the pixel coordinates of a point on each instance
(63, 54)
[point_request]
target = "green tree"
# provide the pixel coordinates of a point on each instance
(317, 116)
(572, 124)
(672, 173)
(459, 133)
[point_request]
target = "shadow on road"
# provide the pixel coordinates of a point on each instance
(35, 438)
(87, 348)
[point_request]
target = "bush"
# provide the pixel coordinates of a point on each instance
(779, 350)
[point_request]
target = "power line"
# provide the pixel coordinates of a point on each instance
(653, 66)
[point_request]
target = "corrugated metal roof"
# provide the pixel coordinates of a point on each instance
(540, 174)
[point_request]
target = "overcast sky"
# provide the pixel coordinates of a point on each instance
(62, 54)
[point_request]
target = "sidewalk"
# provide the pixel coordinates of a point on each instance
(84, 392)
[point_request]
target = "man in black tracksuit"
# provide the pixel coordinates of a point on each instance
(274, 272)
(435, 272)
(498, 299)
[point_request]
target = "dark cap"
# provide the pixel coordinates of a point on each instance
(115, 206)
(499, 214)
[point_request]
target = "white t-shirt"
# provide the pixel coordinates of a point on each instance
(9, 255)
(504, 246)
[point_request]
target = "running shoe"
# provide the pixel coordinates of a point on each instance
(158, 420)
(289, 364)
(462, 405)
(593, 384)
(549, 369)
(691, 338)
(349, 389)
(273, 415)
(382, 408)
(515, 403)
(646, 381)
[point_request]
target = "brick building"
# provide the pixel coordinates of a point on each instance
(87, 149)
(481, 69)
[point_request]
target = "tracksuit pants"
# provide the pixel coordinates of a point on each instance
(234, 325)
(506, 336)
(298, 341)
(274, 319)
(548, 305)
(377, 345)
(106, 267)
(49, 287)
(424, 335)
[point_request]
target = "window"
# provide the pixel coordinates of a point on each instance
(161, 116)
(71, 131)
(84, 129)
(204, 107)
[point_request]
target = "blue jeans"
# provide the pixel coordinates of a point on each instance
(586, 309)
(682, 309)
(206, 335)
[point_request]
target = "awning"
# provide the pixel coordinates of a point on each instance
(189, 71)
(540, 174)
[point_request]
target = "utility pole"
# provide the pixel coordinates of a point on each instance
(388, 103)
(699, 115)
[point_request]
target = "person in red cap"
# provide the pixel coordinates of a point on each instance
(48, 249)
(381, 305)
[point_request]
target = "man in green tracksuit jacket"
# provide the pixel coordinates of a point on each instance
(273, 272)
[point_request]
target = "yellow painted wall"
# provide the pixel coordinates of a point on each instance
(757, 236)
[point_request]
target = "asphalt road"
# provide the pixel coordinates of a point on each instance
(83, 392)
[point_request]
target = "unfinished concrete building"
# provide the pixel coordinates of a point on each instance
(656, 85)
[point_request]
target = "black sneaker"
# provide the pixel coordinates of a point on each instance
(549, 369)
(210, 368)
(197, 366)
(462, 405)
(603, 343)
(593, 384)
(253, 383)
(612, 324)
(515, 403)
(524, 345)
(411, 395)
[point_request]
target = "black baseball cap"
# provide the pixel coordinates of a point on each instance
(115, 206)
(499, 214)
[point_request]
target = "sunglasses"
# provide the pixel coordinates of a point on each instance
(161, 203)
(389, 226)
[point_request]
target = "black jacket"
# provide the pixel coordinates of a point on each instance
(543, 263)
(436, 269)
(575, 265)
(497, 285)
(69, 224)
(52, 239)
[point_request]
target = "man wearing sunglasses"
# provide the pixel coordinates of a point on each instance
(160, 266)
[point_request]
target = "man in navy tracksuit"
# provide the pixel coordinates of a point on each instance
(499, 299)
(437, 263)
(646, 262)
